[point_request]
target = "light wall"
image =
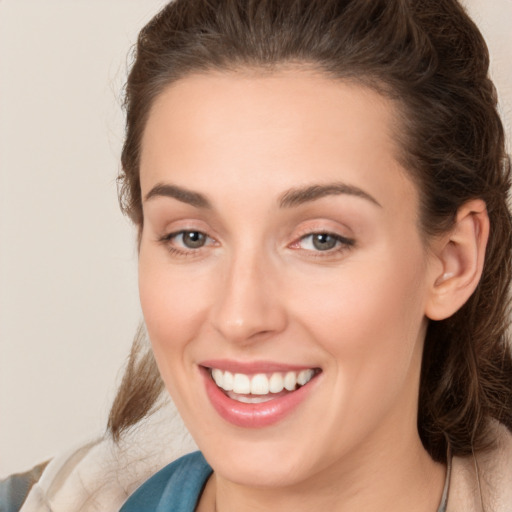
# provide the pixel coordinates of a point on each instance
(68, 288)
(68, 291)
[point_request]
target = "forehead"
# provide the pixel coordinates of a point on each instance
(298, 101)
(292, 125)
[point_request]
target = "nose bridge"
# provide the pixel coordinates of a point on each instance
(248, 302)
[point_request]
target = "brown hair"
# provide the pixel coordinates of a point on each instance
(431, 59)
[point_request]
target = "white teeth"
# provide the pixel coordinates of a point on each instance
(260, 384)
(303, 378)
(276, 383)
(248, 399)
(241, 384)
(218, 377)
(290, 381)
(228, 381)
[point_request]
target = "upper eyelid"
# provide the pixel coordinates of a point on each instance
(302, 234)
(175, 233)
(322, 230)
(170, 232)
(341, 238)
(309, 232)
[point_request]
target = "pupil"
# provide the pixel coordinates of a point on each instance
(193, 239)
(324, 242)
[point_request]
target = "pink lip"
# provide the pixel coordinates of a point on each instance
(253, 415)
(253, 367)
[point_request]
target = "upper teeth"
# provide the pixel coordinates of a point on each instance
(261, 383)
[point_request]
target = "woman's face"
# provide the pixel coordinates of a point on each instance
(281, 247)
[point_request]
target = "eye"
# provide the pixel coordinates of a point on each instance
(186, 240)
(320, 241)
(324, 242)
(191, 239)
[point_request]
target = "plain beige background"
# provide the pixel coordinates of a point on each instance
(68, 286)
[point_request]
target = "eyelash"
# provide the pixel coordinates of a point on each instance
(167, 239)
(341, 243)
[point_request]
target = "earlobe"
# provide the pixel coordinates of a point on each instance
(460, 256)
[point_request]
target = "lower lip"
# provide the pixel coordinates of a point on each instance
(254, 415)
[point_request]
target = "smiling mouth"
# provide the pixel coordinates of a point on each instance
(260, 387)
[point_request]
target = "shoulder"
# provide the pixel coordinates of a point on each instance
(179, 484)
(484, 481)
(14, 489)
(99, 476)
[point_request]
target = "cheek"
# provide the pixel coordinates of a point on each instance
(373, 335)
(359, 301)
(369, 318)
(173, 303)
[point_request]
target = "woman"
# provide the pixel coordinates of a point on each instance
(320, 191)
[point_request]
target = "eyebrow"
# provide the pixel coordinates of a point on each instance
(181, 194)
(299, 196)
(290, 199)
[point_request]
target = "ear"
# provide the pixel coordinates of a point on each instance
(458, 261)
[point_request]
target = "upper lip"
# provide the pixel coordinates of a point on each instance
(253, 367)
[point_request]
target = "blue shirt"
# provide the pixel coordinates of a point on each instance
(176, 488)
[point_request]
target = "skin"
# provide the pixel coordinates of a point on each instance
(260, 290)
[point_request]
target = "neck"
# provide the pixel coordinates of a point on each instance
(397, 476)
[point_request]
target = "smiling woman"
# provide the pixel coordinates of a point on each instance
(320, 191)
(314, 217)
(291, 280)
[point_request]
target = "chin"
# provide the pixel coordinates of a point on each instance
(260, 470)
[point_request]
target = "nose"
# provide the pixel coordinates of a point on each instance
(249, 305)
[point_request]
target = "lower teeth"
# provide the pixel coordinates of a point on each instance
(250, 399)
